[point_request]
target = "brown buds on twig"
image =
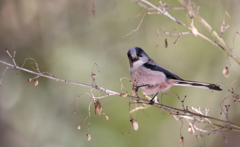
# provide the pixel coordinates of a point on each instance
(35, 81)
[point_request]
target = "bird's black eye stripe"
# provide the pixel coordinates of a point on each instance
(139, 54)
(139, 51)
(129, 55)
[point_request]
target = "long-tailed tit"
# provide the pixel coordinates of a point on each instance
(151, 78)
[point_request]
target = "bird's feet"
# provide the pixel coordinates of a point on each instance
(154, 99)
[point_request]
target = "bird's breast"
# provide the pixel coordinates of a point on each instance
(144, 76)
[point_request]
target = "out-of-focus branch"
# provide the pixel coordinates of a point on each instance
(162, 9)
(163, 12)
(219, 41)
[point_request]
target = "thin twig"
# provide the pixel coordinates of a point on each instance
(137, 27)
(218, 41)
(222, 44)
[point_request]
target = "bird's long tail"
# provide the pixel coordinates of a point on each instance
(198, 85)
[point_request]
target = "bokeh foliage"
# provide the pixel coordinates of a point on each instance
(66, 38)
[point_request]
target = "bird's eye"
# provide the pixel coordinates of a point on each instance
(139, 55)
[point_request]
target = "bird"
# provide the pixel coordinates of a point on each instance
(152, 78)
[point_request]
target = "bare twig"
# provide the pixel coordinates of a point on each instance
(194, 13)
(137, 26)
(222, 44)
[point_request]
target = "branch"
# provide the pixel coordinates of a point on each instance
(110, 92)
(218, 41)
(192, 117)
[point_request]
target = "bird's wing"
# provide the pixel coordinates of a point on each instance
(155, 67)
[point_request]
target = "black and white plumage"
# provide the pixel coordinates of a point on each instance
(151, 78)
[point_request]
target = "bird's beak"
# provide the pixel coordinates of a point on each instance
(132, 60)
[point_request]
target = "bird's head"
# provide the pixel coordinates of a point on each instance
(137, 57)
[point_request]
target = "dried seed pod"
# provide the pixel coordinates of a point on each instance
(134, 124)
(35, 83)
(98, 107)
(226, 71)
(181, 141)
(106, 117)
(166, 43)
(88, 137)
(79, 127)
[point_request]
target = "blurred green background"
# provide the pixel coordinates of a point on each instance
(66, 38)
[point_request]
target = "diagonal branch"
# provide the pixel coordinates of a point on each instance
(194, 117)
(220, 42)
(110, 92)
